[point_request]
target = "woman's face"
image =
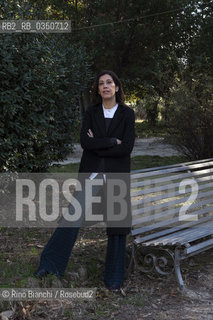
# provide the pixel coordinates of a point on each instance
(107, 87)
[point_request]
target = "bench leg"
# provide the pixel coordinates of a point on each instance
(177, 268)
(176, 256)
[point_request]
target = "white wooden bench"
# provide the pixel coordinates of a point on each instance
(172, 212)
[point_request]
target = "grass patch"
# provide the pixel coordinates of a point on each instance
(136, 299)
(103, 310)
(95, 272)
(17, 273)
(143, 162)
(71, 168)
(19, 255)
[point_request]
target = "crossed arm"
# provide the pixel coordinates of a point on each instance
(109, 147)
(88, 141)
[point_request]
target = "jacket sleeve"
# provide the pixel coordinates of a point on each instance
(89, 143)
(127, 144)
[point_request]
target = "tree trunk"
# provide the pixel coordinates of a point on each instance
(84, 101)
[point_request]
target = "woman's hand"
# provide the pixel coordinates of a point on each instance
(90, 134)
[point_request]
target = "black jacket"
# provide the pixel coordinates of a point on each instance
(117, 156)
(104, 145)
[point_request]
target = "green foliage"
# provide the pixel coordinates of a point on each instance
(140, 49)
(144, 130)
(41, 78)
(190, 108)
(151, 107)
(191, 118)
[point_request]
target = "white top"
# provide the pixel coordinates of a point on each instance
(108, 113)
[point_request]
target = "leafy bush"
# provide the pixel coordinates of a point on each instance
(191, 118)
(41, 77)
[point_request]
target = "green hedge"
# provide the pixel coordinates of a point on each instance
(41, 78)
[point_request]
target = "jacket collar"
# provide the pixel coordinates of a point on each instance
(99, 117)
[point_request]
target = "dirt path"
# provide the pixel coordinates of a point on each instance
(148, 146)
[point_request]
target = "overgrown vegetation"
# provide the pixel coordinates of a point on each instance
(190, 112)
(191, 121)
(41, 77)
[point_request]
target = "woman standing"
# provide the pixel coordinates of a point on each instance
(107, 138)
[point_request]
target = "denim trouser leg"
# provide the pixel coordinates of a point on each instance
(55, 255)
(115, 261)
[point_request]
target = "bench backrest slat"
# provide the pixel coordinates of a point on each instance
(171, 166)
(167, 187)
(170, 204)
(165, 196)
(153, 224)
(171, 177)
(149, 174)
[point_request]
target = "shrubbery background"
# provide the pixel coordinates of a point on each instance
(41, 77)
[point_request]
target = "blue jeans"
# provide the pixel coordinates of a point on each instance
(56, 253)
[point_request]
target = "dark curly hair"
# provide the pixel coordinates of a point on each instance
(119, 95)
